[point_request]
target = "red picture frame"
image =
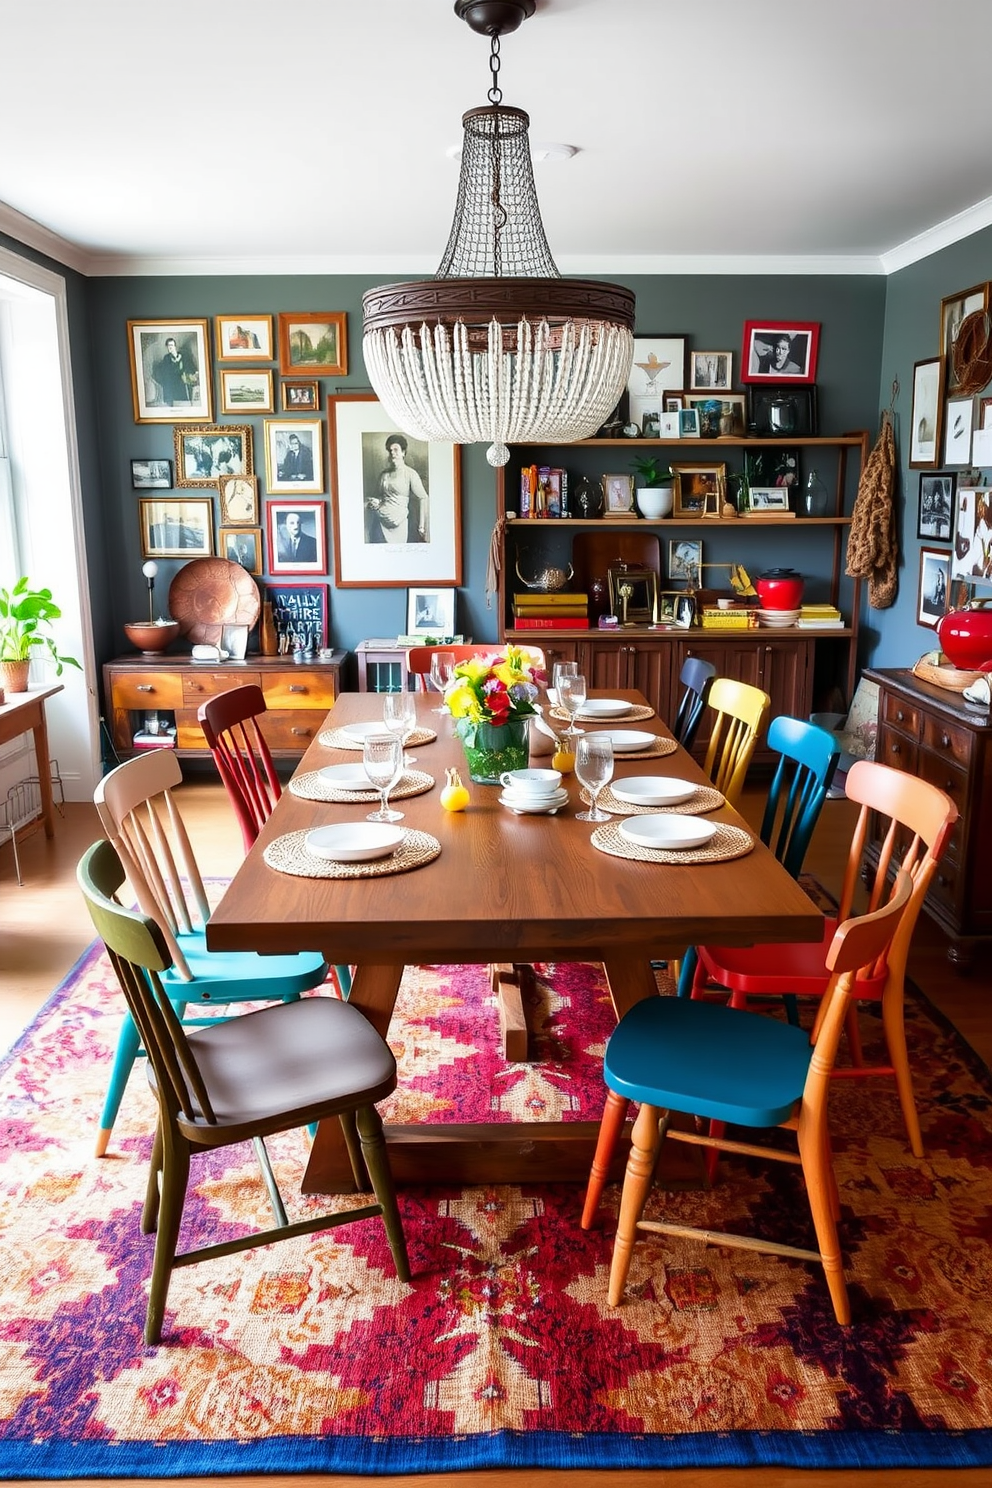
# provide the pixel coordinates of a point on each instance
(780, 351)
(311, 531)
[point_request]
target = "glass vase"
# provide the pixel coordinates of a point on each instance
(815, 498)
(491, 749)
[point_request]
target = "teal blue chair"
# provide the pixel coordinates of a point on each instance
(141, 818)
(711, 1061)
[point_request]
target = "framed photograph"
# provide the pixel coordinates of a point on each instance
(297, 537)
(241, 545)
(928, 398)
(958, 415)
(782, 412)
(769, 498)
(935, 516)
(673, 402)
(170, 370)
(685, 561)
(243, 338)
(395, 500)
(780, 351)
(658, 366)
(683, 611)
(300, 397)
(294, 457)
(148, 474)
(985, 413)
(430, 612)
(972, 554)
(247, 390)
(689, 423)
(238, 500)
(618, 495)
(693, 484)
(668, 425)
(651, 421)
(176, 528)
(300, 613)
(953, 311)
(203, 455)
(772, 467)
(633, 594)
(710, 369)
(719, 417)
(314, 344)
(931, 595)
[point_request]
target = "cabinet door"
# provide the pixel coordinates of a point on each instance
(731, 659)
(556, 651)
(649, 670)
(605, 664)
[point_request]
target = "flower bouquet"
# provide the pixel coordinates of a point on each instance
(492, 701)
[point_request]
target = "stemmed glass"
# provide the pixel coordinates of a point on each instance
(442, 666)
(571, 697)
(382, 756)
(399, 714)
(563, 669)
(593, 768)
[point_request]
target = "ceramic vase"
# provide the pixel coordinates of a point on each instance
(655, 502)
(491, 749)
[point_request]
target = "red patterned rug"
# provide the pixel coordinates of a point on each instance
(310, 1356)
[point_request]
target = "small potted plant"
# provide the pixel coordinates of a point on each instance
(656, 495)
(23, 611)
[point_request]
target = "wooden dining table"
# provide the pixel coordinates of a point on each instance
(505, 887)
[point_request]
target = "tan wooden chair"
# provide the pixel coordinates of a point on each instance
(740, 713)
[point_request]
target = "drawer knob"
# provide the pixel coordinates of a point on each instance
(302, 732)
(894, 748)
(943, 880)
(296, 687)
(949, 787)
(945, 741)
(144, 687)
(900, 716)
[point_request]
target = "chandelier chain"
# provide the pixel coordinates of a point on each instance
(495, 91)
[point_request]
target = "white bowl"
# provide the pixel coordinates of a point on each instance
(604, 708)
(354, 842)
(360, 731)
(533, 805)
(776, 622)
(653, 790)
(346, 777)
(777, 614)
(669, 833)
(626, 741)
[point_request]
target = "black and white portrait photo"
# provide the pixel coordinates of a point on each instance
(297, 542)
(293, 456)
(774, 351)
(204, 455)
(936, 510)
(170, 370)
(710, 369)
(397, 503)
(935, 572)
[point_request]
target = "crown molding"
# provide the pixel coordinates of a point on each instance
(944, 235)
(32, 235)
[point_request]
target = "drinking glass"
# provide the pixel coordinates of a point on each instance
(442, 666)
(399, 714)
(382, 756)
(563, 669)
(571, 697)
(593, 768)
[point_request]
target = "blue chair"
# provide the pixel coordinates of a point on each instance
(695, 677)
(705, 1060)
(141, 818)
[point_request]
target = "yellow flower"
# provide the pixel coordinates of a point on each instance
(460, 700)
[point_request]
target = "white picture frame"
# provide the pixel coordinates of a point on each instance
(430, 612)
(958, 416)
(769, 498)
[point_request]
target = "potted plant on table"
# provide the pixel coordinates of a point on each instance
(491, 700)
(656, 496)
(23, 611)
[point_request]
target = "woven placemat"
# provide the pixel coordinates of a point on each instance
(704, 798)
(338, 739)
(729, 842)
(313, 787)
(638, 712)
(289, 855)
(657, 750)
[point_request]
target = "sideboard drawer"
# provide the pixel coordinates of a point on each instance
(896, 749)
(901, 714)
(291, 732)
(946, 776)
(299, 688)
(947, 740)
(200, 685)
(147, 690)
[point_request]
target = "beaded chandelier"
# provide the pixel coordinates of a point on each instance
(498, 346)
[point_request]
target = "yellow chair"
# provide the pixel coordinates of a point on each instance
(740, 714)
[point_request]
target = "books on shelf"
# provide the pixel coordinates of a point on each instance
(717, 619)
(820, 617)
(551, 622)
(543, 491)
(802, 624)
(164, 740)
(539, 599)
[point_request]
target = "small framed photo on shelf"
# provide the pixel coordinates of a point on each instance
(673, 402)
(935, 576)
(241, 545)
(633, 594)
(297, 537)
(972, 553)
(314, 344)
(243, 338)
(430, 612)
(651, 421)
(782, 412)
(954, 309)
(294, 459)
(247, 390)
(668, 425)
(685, 561)
(694, 484)
(720, 417)
(769, 498)
(958, 416)
(204, 455)
(147, 475)
(710, 370)
(176, 528)
(300, 397)
(935, 515)
(928, 398)
(688, 423)
(618, 495)
(238, 496)
(780, 351)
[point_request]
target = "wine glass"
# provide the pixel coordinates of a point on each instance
(442, 666)
(382, 756)
(593, 768)
(563, 669)
(571, 697)
(399, 714)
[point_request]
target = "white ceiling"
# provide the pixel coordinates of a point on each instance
(310, 136)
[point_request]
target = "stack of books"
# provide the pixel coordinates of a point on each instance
(543, 491)
(561, 610)
(820, 617)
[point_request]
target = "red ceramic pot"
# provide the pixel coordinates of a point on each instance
(966, 635)
(780, 589)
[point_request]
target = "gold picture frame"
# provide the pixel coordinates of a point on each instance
(698, 486)
(313, 343)
(618, 495)
(633, 594)
(238, 496)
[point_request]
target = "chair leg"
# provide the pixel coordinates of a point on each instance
(819, 1187)
(359, 1171)
(895, 1038)
(175, 1176)
(340, 979)
(269, 1178)
(128, 1045)
(688, 968)
(614, 1116)
(716, 1130)
(149, 1213)
(854, 1035)
(648, 1133)
(377, 1162)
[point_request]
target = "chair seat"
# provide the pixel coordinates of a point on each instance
(290, 1060)
(227, 976)
(673, 1053)
(772, 970)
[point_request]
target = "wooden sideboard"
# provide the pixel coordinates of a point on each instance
(298, 695)
(933, 733)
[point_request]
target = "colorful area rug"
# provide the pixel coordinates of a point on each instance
(310, 1356)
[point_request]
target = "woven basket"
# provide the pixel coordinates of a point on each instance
(944, 675)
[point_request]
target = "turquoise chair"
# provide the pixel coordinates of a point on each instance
(141, 818)
(711, 1061)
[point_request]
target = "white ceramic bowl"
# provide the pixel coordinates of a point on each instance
(354, 842)
(533, 805)
(776, 622)
(670, 833)
(777, 614)
(346, 777)
(360, 731)
(652, 790)
(604, 708)
(627, 741)
(531, 782)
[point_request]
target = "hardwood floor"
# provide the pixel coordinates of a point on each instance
(44, 928)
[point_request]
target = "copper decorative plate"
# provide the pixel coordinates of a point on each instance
(208, 594)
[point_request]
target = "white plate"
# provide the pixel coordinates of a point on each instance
(531, 807)
(776, 622)
(653, 790)
(667, 832)
(604, 708)
(346, 777)
(511, 797)
(360, 731)
(354, 842)
(627, 741)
